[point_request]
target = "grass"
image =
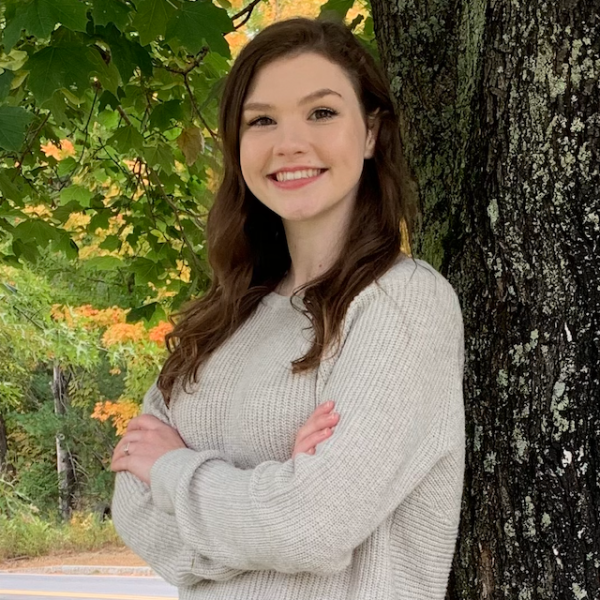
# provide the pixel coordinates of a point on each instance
(28, 535)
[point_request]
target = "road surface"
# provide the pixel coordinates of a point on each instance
(29, 586)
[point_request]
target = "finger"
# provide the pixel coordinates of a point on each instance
(316, 438)
(119, 460)
(315, 421)
(144, 422)
(318, 424)
(330, 420)
(130, 436)
(312, 440)
(322, 409)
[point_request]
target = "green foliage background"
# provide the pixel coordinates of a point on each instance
(134, 87)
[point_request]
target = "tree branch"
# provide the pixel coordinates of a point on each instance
(30, 142)
(184, 73)
(124, 115)
(199, 114)
(247, 12)
(165, 196)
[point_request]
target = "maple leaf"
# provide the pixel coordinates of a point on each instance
(191, 143)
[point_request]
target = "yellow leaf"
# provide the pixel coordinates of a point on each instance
(191, 143)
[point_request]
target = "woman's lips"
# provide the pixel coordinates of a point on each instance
(294, 184)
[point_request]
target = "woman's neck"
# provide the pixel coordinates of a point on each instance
(314, 246)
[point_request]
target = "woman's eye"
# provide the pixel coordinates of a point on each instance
(260, 122)
(324, 113)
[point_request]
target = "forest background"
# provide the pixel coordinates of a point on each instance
(109, 157)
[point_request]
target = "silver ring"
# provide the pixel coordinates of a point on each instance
(126, 449)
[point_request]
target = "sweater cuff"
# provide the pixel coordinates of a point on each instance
(172, 468)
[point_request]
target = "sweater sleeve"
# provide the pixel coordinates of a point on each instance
(153, 534)
(397, 384)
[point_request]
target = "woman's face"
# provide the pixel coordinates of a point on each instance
(303, 140)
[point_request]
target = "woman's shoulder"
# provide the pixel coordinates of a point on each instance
(411, 284)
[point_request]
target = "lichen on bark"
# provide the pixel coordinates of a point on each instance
(500, 115)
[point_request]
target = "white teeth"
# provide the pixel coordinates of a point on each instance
(290, 175)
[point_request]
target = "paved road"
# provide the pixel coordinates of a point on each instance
(29, 586)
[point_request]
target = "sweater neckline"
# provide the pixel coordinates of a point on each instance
(278, 300)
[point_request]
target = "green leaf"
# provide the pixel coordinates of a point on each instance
(35, 230)
(127, 139)
(164, 112)
(78, 194)
(336, 9)
(108, 99)
(9, 190)
(129, 56)
(13, 126)
(103, 263)
(368, 30)
(10, 259)
(28, 250)
(151, 19)
(159, 156)
(40, 17)
(110, 11)
(151, 313)
(200, 22)
(99, 221)
(66, 166)
(12, 185)
(66, 245)
(146, 271)
(62, 213)
(57, 105)
(5, 81)
(108, 75)
(111, 243)
(53, 68)
(13, 60)
(126, 54)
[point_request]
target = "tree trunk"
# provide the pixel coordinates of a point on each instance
(500, 111)
(64, 462)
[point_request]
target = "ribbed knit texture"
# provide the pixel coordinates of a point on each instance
(373, 515)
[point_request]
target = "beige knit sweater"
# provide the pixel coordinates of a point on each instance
(373, 515)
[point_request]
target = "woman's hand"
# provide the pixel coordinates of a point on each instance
(317, 428)
(146, 440)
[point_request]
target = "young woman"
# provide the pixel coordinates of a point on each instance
(232, 485)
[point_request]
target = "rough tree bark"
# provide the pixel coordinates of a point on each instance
(500, 110)
(64, 462)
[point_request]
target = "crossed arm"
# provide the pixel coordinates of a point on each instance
(398, 386)
(159, 542)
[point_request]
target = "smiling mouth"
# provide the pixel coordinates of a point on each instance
(284, 176)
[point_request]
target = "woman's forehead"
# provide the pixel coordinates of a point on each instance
(299, 79)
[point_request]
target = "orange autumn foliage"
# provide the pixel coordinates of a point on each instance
(64, 149)
(123, 332)
(87, 316)
(157, 334)
(278, 10)
(120, 413)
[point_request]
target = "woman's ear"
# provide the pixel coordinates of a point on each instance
(372, 131)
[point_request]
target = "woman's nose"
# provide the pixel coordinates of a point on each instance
(290, 139)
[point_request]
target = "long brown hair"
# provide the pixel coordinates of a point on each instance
(247, 247)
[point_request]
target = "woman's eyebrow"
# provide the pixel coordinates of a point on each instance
(309, 98)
